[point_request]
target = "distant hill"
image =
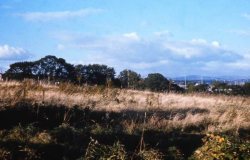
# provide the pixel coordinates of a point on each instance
(211, 78)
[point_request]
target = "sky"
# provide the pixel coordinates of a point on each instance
(174, 38)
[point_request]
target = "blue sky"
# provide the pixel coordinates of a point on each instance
(175, 38)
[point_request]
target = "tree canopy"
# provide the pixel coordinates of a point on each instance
(49, 67)
(156, 82)
(129, 79)
(94, 74)
(57, 69)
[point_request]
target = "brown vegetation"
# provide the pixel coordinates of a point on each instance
(166, 111)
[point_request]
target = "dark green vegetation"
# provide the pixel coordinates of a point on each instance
(220, 88)
(53, 69)
(58, 132)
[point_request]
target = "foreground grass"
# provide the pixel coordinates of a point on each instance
(71, 122)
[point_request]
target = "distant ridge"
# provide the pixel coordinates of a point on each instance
(219, 78)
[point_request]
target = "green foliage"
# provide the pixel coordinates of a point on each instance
(219, 87)
(149, 154)
(223, 147)
(94, 74)
(20, 70)
(24, 136)
(129, 79)
(156, 82)
(246, 88)
(104, 152)
(65, 134)
(101, 130)
(49, 67)
(54, 68)
(198, 88)
(19, 133)
(174, 153)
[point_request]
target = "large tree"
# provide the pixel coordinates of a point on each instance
(129, 79)
(156, 82)
(246, 88)
(55, 68)
(20, 70)
(94, 74)
(49, 67)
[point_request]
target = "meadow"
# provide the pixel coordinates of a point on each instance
(65, 121)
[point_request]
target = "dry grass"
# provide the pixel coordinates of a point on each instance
(214, 113)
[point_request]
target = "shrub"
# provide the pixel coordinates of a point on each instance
(174, 153)
(149, 154)
(223, 147)
(21, 133)
(103, 152)
(30, 153)
(5, 154)
(42, 138)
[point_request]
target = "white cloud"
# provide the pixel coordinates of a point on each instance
(13, 53)
(216, 44)
(152, 54)
(60, 15)
(200, 41)
(132, 36)
(242, 64)
(186, 52)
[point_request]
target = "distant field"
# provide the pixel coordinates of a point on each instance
(127, 123)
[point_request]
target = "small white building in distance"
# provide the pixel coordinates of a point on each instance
(1, 77)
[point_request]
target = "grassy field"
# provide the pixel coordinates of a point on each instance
(39, 121)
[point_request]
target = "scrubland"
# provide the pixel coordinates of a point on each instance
(96, 122)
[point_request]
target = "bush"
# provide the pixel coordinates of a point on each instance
(5, 154)
(20, 133)
(223, 147)
(149, 154)
(174, 153)
(103, 152)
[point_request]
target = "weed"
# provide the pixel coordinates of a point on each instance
(5, 154)
(223, 147)
(149, 154)
(104, 152)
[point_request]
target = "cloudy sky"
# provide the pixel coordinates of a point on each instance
(175, 38)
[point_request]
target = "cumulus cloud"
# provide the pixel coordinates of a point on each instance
(59, 15)
(13, 53)
(242, 64)
(216, 44)
(132, 36)
(129, 50)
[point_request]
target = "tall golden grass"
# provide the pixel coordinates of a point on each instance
(215, 113)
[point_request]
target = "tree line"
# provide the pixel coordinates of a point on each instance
(218, 87)
(53, 69)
